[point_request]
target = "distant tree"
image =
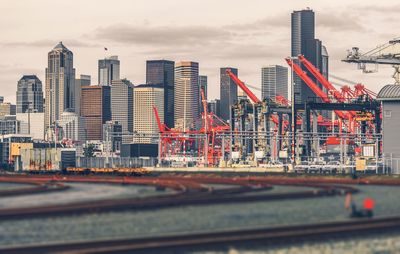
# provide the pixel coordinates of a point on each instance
(88, 151)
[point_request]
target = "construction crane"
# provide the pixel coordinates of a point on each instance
(313, 86)
(387, 54)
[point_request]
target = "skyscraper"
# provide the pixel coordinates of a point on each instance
(108, 70)
(274, 81)
(7, 108)
(202, 86)
(60, 83)
(304, 42)
(96, 109)
(228, 92)
(145, 98)
(161, 72)
(325, 62)
(186, 98)
(83, 80)
(29, 94)
(214, 106)
(122, 103)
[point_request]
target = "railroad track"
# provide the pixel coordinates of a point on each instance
(183, 243)
(35, 188)
(192, 193)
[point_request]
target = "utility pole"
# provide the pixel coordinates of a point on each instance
(293, 111)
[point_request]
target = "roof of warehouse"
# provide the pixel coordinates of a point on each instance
(389, 92)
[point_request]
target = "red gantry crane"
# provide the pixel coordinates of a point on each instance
(248, 92)
(313, 86)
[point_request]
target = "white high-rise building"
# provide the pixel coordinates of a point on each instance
(122, 104)
(60, 84)
(274, 81)
(32, 124)
(73, 126)
(108, 70)
(146, 97)
(187, 94)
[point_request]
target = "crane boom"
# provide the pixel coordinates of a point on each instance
(312, 85)
(161, 127)
(314, 71)
(245, 89)
(388, 53)
(204, 102)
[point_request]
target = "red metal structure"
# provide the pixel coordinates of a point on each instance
(313, 86)
(249, 93)
(245, 89)
(315, 72)
(173, 142)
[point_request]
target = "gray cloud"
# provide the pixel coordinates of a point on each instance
(339, 22)
(277, 21)
(147, 35)
(380, 9)
(47, 43)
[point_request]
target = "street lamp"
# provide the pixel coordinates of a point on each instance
(293, 108)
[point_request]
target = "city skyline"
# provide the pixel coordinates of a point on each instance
(248, 37)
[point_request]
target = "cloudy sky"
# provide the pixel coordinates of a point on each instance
(243, 34)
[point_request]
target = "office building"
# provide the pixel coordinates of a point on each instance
(83, 80)
(7, 108)
(228, 92)
(32, 124)
(96, 109)
(187, 94)
(9, 125)
(72, 126)
(274, 81)
(108, 70)
(60, 83)
(325, 62)
(304, 42)
(29, 94)
(202, 86)
(145, 98)
(161, 72)
(214, 107)
(112, 136)
(122, 103)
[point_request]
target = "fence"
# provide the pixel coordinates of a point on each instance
(391, 164)
(117, 162)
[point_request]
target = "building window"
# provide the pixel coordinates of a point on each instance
(388, 113)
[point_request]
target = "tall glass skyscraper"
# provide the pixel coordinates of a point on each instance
(186, 94)
(274, 81)
(122, 103)
(202, 86)
(304, 42)
(161, 72)
(29, 94)
(228, 92)
(60, 83)
(108, 70)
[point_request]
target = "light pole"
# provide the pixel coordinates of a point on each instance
(184, 116)
(293, 109)
(29, 117)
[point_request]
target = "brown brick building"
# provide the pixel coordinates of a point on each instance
(96, 109)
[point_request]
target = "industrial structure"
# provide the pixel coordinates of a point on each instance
(263, 133)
